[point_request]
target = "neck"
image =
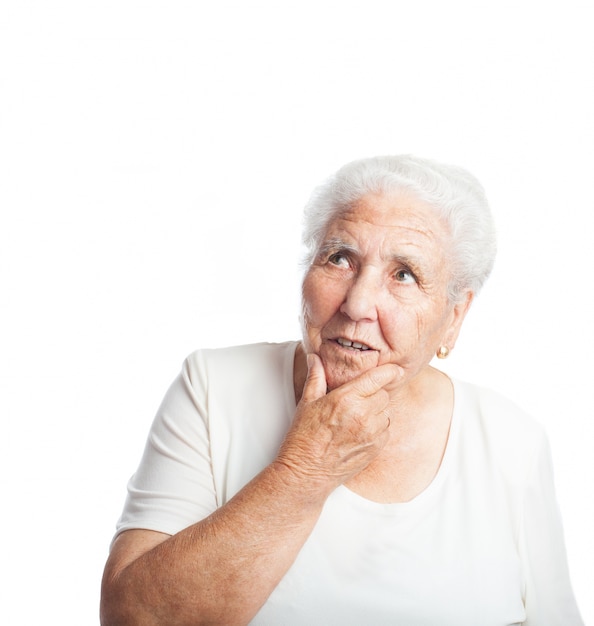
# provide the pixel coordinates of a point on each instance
(428, 395)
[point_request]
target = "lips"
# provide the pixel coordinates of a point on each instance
(356, 345)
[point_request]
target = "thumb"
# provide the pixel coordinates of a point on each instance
(315, 383)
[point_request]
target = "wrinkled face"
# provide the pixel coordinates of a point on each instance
(377, 290)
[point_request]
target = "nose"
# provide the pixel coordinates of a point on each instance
(362, 298)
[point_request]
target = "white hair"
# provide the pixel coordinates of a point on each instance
(455, 194)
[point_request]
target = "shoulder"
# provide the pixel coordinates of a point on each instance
(256, 377)
(248, 404)
(243, 362)
(500, 429)
(495, 412)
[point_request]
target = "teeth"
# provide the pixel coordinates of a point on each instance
(352, 344)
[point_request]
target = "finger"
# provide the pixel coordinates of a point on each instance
(315, 383)
(370, 382)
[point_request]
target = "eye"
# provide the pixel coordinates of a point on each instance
(405, 277)
(339, 259)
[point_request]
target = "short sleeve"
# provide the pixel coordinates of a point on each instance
(173, 486)
(549, 599)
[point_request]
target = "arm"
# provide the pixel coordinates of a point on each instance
(222, 569)
(549, 599)
(218, 571)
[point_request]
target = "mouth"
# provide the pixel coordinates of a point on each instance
(353, 345)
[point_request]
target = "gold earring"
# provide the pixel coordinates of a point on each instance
(443, 352)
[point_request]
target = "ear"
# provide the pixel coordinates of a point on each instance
(458, 314)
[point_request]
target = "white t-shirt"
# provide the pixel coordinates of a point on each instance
(482, 545)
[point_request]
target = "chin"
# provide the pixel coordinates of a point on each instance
(339, 375)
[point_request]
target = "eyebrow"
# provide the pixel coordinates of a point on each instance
(335, 244)
(405, 259)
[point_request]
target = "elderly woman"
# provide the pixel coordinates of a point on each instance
(342, 480)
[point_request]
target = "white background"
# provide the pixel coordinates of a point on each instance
(154, 160)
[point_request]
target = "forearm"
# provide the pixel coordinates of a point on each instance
(222, 569)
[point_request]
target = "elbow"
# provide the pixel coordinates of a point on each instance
(116, 607)
(124, 605)
(110, 614)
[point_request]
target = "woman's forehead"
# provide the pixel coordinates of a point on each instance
(398, 217)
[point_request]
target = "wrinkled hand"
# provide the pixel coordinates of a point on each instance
(335, 435)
